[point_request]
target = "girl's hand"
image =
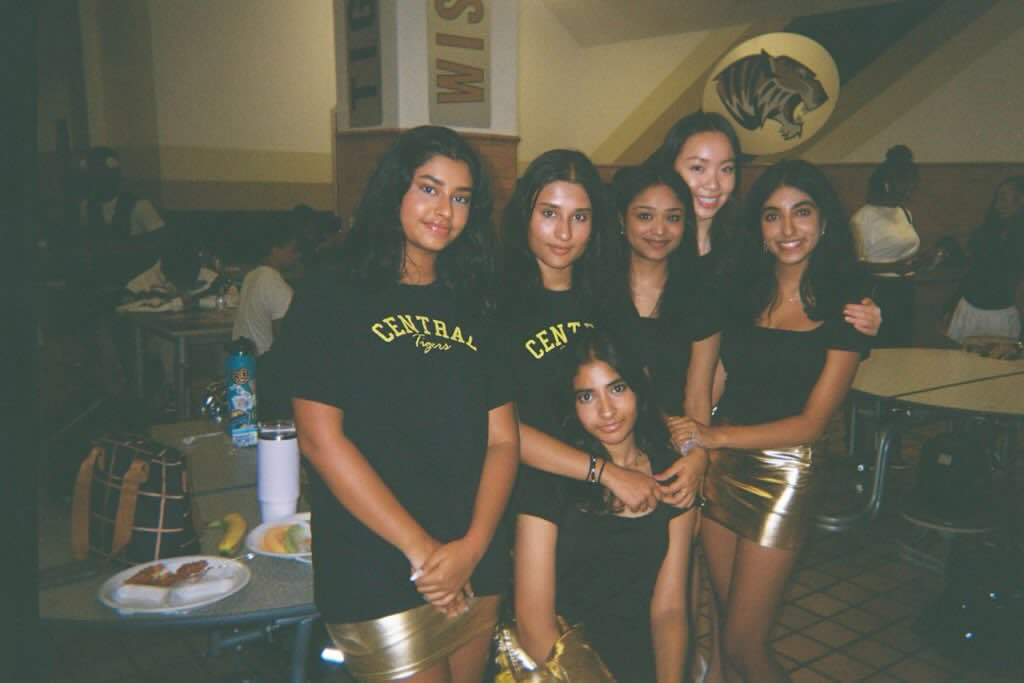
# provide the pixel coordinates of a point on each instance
(689, 474)
(637, 491)
(685, 430)
(866, 317)
(444, 577)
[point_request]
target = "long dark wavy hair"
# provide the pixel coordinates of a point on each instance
(374, 251)
(630, 181)
(724, 222)
(520, 274)
(650, 432)
(833, 276)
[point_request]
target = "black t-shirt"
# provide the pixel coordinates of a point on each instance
(770, 372)
(540, 327)
(606, 567)
(415, 379)
(663, 343)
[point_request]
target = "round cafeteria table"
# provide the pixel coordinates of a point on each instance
(951, 381)
(279, 594)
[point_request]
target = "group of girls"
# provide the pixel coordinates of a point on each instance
(592, 352)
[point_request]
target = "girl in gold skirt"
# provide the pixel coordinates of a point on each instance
(787, 361)
(404, 412)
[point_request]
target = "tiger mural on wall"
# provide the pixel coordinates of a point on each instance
(760, 87)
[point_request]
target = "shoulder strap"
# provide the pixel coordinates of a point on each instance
(137, 473)
(80, 505)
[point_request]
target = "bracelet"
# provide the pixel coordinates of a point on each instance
(601, 471)
(592, 471)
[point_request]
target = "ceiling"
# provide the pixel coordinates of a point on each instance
(598, 22)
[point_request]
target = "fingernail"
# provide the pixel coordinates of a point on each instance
(415, 576)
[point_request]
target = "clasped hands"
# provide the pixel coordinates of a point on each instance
(442, 578)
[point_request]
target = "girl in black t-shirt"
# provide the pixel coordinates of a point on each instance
(401, 411)
(789, 359)
(580, 554)
(558, 242)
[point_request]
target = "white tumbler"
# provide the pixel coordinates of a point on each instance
(277, 482)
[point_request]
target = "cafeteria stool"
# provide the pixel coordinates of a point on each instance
(953, 489)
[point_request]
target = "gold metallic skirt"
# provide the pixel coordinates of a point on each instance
(399, 645)
(762, 495)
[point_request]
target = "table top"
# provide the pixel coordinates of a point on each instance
(215, 464)
(224, 480)
(993, 396)
(894, 373)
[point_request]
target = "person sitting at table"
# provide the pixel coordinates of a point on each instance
(174, 283)
(262, 304)
(175, 280)
(987, 306)
(883, 231)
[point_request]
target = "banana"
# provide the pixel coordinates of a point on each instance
(234, 529)
(273, 539)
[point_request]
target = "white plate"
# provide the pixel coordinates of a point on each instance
(254, 541)
(233, 575)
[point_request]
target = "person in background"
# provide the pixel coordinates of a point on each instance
(118, 232)
(887, 242)
(580, 554)
(262, 304)
(788, 359)
(404, 411)
(177, 279)
(988, 306)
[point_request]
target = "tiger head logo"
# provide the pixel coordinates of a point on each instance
(760, 87)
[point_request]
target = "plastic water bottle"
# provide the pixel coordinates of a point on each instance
(240, 383)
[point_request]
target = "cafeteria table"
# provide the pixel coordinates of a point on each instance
(946, 381)
(183, 329)
(279, 595)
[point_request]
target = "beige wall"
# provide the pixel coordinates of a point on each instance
(226, 104)
(950, 89)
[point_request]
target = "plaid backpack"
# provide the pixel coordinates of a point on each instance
(131, 502)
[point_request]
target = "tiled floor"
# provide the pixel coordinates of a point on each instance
(849, 615)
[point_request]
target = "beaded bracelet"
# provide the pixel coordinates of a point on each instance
(601, 471)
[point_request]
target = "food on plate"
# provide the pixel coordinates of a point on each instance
(140, 595)
(194, 592)
(159, 575)
(287, 539)
(153, 575)
(234, 530)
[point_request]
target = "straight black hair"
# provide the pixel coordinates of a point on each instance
(520, 274)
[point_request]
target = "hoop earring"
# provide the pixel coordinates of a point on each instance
(764, 246)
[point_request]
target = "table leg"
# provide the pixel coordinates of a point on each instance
(300, 650)
(181, 371)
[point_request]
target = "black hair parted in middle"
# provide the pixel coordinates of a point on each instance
(520, 274)
(832, 278)
(651, 435)
(628, 183)
(373, 256)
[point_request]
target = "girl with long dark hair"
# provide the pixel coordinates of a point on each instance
(558, 242)
(789, 360)
(580, 554)
(404, 413)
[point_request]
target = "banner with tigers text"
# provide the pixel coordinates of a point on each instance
(459, 54)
